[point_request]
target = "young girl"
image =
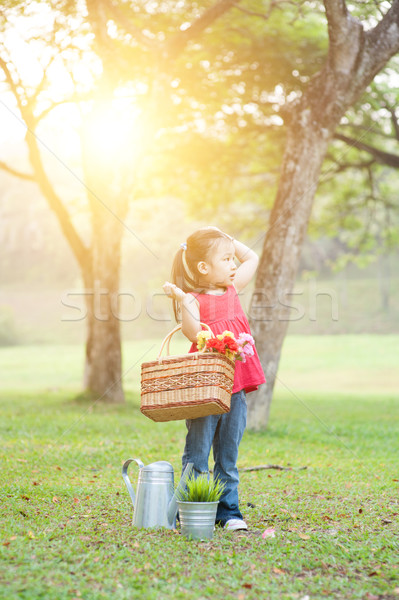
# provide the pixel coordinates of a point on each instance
(205, 288)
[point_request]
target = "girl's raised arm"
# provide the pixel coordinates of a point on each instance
(190, 317)
(190, 313)
(249, 263)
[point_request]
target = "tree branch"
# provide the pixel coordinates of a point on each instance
(19, 174)
(337, 14)
(127, 24)
(343, 31)
(384, 158)
(377, 5)
(178, 42)
(381, 43)
(265, 467)
(98, 19)
(80, 251)
(265, 16)
(14, 85)
(41, 85)
(344, 166)
(394, 119)
(98, 15)
(74, 98)
(367, 129)
(253, 13)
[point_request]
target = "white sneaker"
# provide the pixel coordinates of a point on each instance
(235, 525)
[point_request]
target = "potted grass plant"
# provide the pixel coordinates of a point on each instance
(198, 503)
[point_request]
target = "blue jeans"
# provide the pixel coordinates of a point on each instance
(223, 432)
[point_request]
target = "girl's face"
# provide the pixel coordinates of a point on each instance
(220, 268)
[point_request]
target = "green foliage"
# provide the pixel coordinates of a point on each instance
(201, 489)
(219, 106)
(363, 219)
(357, 200)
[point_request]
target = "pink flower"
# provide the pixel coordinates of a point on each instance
(227, 344)
(248, 350)
(245, 345)
(246, 337)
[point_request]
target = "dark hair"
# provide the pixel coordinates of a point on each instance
(184, 269)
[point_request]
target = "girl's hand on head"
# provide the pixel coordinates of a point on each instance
(173, 291)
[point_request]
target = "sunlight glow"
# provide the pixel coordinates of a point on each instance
(114, 131)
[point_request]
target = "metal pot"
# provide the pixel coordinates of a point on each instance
(197, 519)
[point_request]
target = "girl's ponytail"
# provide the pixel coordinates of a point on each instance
(182, 277)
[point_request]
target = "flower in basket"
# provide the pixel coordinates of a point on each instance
(246, 344)
(226, 343)
(202, 337)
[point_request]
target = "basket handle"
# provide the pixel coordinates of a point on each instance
(167, 339)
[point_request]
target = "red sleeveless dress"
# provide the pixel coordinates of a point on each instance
(224, 312)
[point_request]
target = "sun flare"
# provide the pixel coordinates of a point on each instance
(113, 130)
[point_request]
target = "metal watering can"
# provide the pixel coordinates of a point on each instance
(155, 501)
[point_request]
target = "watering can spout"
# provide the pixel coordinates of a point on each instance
(126, 477)
(172, 508)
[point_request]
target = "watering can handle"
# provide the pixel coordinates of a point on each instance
(126, 478)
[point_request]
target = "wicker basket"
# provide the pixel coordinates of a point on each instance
(187, 386)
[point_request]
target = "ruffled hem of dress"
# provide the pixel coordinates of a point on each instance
(249, 388)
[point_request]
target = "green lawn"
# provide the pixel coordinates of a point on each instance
(66, 516)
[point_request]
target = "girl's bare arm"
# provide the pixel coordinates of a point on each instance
(249, 263)
(190, 325)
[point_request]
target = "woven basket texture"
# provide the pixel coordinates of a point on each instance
(186, 387)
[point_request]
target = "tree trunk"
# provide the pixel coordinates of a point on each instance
(103, 372)
(354, 57)
(310, 126)
(108, 199)
(270, 305)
